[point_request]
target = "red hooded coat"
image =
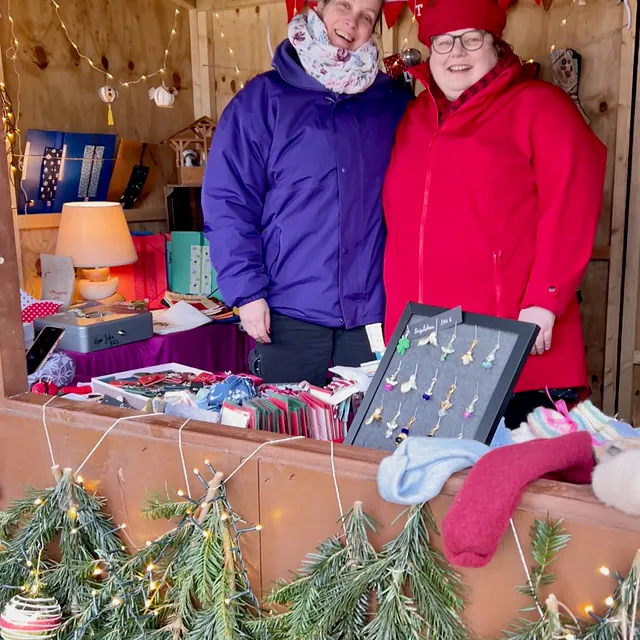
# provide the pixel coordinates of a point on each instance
(496, 209)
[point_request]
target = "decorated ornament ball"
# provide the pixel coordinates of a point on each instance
(411, 57)
(25, 618)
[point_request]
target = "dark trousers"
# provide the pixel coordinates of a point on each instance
(524, 403)
(303, 351)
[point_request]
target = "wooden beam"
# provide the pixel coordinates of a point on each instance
(389, 39)
(13, 364)
(186, 4)
(618, 353)
(14, 199)
(202, 64)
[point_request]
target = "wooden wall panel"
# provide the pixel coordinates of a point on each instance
(289, 489)
(59, 92)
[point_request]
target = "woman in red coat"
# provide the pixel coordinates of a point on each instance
(493, 195)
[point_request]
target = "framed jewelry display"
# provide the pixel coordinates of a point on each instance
(445, 374)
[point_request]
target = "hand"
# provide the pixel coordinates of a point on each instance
(256, 320)
(545, 320)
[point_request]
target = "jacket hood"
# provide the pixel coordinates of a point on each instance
(287, 64)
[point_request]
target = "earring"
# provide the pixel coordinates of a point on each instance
(470, 410)
(410, 384)
(391, 382)
(393, 425)
(435, 429)
(403, 344)
(404, 434)
(446, 404)
(432, 338)
(467, 358)
(429, 392)
(376, 415)
(487, 363)
(448, 349)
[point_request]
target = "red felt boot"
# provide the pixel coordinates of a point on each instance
(479, 516)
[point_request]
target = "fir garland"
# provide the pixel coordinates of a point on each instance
(417, 594)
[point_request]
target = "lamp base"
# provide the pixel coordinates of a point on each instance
(97, 286)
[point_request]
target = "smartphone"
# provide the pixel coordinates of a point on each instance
(42, 348)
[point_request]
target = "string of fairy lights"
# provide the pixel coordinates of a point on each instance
(144, 77)
(231, 52)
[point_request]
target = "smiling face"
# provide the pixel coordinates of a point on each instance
(349, 23)
(455, 71)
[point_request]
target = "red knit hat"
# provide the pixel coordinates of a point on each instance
(443, 16)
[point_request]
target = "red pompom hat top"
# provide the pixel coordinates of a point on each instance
(444, 16)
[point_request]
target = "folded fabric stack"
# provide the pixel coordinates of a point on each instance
(549, 423)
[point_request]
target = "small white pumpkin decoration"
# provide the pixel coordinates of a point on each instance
(162, 96)
(109, 95)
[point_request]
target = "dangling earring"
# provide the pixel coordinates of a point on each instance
(487, 363)
(435, 429)
(391, 382)
(429, 392)
(376, 415)
(411, 383)
(446, 404)
(404, 434)
(432, 338)
(393, 425)
(448, 349)
(469, 411)
(467, 358)
(403, 344)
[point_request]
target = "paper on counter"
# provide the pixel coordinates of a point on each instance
(180, 317)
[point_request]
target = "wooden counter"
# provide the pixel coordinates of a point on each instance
(288, 488)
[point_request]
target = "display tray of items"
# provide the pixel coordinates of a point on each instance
(445, 374)
(321, 413)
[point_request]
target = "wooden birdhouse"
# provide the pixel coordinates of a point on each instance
(191, 146)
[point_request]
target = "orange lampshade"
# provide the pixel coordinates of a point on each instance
(95, 234)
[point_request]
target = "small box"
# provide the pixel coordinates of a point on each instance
(101, 385)
(100, 327)
(192, 176)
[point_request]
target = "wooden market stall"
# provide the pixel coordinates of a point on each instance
(289, 488)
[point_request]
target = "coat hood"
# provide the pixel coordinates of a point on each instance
(287, 64)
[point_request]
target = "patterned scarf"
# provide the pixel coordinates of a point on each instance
(338, 70)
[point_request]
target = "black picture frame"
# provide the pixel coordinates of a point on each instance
(524, 337)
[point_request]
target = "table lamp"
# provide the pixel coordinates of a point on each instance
(95, 236)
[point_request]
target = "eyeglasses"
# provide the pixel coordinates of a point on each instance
(470, 40)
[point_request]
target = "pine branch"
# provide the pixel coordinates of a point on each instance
(436, 600)
(548, 538)
(330, 596)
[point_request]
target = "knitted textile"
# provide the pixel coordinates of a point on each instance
(418, 469)
(480, 514)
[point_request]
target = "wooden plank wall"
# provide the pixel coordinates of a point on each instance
(59, 92)
(596, 30)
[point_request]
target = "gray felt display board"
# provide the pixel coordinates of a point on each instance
(493, 385)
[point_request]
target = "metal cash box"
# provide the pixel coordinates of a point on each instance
(99, 327)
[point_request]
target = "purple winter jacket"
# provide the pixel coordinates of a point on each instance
(292, 195)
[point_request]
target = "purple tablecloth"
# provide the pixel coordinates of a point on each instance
(213, 347)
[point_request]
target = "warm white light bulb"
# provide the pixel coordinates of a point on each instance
(604, 571)
(609, 601)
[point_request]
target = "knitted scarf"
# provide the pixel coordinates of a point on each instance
(339, 70)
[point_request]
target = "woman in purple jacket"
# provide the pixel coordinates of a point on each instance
(292, 194)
